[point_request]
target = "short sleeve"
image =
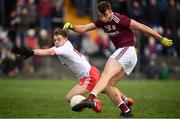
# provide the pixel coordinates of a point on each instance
(98, 23)
(124, 21)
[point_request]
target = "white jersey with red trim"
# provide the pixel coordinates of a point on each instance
(73, 59)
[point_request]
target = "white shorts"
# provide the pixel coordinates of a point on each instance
(127, 57)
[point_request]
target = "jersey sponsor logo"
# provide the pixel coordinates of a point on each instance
(110, 27)
(107, 27)
(113, 34)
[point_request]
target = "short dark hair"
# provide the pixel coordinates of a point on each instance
(58, 31)
(103, 6)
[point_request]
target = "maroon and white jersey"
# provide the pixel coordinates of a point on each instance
(118, 30)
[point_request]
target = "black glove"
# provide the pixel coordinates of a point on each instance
(26, 53)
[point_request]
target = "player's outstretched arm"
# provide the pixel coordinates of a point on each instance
(44, 52)
(79, 28)
(147, 30)
(26, 53)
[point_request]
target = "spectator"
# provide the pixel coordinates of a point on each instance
(9, 5)
(151, 48)
(19, 6)
(149, 60)
(58, 14)
(164, 72)
(172, 17)
(23, 24)
(151, 70)
(32, 13)
(8, 63)
(168, 51)
(82, 7)
(163, 7)
(13, 22)
(136, 10)
(75, 39)
(88, 45)
(45, 10)
(177, 42)
(5, 41)
(119, 6)
(43, 39)
(152, 13)
(104, 45)
(31, 41)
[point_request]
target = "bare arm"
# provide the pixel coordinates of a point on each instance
(147, 30)
(84, 28)
(44, 52)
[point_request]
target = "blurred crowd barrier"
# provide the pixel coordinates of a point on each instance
(50, 68)
(29, 23)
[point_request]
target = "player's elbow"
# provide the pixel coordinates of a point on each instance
(50, 53)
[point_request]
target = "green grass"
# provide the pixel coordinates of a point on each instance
(46, 98)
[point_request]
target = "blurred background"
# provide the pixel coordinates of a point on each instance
(29, 23)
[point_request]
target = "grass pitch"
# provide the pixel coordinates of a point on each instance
(46, 98)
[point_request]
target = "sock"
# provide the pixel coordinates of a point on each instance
(91, 96)
(125, 100)
(124, 108)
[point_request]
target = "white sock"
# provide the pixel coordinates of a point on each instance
(125, 100)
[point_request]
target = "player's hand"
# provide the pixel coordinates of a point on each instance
(166, 42)
(68, 26)
(26, 53)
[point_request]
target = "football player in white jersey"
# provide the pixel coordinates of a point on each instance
(88, 75)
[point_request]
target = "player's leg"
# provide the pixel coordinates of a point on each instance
(95, 76)
(114, 90)
(76, 90)
(122, 59)
(87, 84)
(112, 68)
(116, 95)
(128, 101)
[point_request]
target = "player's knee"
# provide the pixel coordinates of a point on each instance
(107, 89)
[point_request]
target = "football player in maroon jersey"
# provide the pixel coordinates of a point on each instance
(123, 60)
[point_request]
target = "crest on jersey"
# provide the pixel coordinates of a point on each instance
(107, 27)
